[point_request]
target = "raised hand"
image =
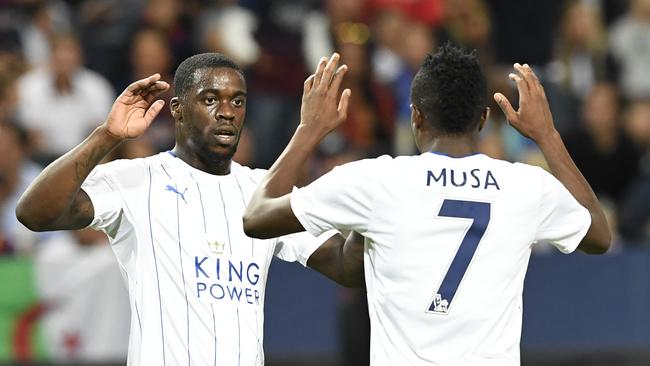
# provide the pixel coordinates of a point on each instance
(533, 119)
(135, 109)
(320, 109)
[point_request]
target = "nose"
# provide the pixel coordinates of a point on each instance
(225, 111)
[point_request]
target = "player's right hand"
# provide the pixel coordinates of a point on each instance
(135, 109)
(533, 119)
(320, 111)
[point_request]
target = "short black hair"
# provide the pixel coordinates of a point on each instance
(450, 89)
(185, 71)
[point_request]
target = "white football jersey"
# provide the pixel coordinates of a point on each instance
(447, 243)
(195, 280)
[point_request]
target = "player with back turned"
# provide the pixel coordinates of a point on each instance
(448, 233)
(196, 282)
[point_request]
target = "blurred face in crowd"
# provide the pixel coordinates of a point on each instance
(162, 14)
(641, 9)
(600, 112)
(638, 123)
(66, 56)
(150, 54)
(11, 157)
(211, 114)
(417, 43)
(388, 29)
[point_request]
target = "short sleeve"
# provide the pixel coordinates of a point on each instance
(339, 200)
(299, 247)
(107, 186)
(563, 222)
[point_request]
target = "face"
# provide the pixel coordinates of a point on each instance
(211, 113)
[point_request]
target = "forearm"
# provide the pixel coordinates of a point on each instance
(266, 214)
(598, 237)
(341, 260)
(52, 201)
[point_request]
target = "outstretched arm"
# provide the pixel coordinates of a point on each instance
(54, 200)
(269, 212)
(534, 120)
(341, 260)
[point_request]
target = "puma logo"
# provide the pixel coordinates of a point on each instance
(173, 189)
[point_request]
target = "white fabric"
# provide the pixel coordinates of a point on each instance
(87, 308)
(190, 304)
(411, 242)
(64, 120)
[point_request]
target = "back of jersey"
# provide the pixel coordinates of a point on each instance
(447, 247)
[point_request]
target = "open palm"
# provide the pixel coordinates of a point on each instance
(135, 109)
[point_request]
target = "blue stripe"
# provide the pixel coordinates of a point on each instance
(238, 339)
(225, 216)
(155, 261)
(230, 247)
(205, 227)
(180, 258)
(214, 330)
(135, 304)
(244, 201)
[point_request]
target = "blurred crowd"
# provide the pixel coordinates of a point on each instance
(62, 63)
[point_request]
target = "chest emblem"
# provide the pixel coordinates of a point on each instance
(173, 189)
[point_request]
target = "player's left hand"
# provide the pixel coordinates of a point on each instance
(320, 111)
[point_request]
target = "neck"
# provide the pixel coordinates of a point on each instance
(216, 166)
(455, 146)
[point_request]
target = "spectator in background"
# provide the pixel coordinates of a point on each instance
(105, 28)
(229, 28)
(371, 112)
(418, 40)
(606, 156)
(276, 79)
(77, 279)
(468, 23)
(169, 17)
(45, 19)
(386, 34)
(581, 59)
(339, 21)
(16, 172)
(630, 45)
(151, 54)
(61, 102)
(634, 221)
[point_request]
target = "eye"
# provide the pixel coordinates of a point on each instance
(238, 102)
(210, 100)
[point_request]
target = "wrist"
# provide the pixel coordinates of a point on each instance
(308, 138)
(548, 139)
(106, 136)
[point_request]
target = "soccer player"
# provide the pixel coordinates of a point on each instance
(196, 281)
(448, 233)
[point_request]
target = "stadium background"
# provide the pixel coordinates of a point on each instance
(63, 62)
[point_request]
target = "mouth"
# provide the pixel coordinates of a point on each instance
(225, 135)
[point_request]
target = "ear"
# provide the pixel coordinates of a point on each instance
(417, 118)
(175, 107)
(484, 117)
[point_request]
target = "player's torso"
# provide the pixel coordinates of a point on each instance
(198, 290)
(449, 246)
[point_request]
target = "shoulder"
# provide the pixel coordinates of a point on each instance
(242, 172)
(132, 170)
(371, 165)
(36, 78)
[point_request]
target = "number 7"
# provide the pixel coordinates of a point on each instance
(479, 212)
